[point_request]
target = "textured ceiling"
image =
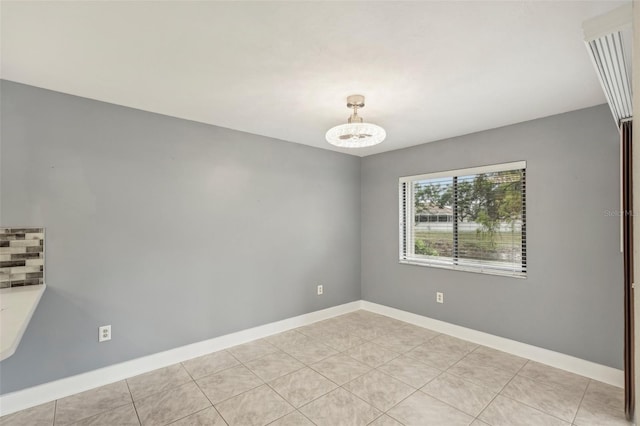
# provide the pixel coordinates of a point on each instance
(429, 70)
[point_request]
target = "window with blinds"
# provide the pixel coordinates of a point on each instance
(470, 219)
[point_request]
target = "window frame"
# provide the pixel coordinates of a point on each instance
(406, 219)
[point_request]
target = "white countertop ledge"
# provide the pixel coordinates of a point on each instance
(17, 306)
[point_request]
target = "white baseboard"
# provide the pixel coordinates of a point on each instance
(575, 365)
(30, 397)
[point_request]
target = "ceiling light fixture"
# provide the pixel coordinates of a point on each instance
(355, 134)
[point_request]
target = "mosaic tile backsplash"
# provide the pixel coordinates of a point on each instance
(21, 257)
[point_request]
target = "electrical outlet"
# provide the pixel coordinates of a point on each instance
(439, 297)
(104, 333)
(320, 290)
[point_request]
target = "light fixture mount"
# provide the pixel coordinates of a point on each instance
(356, 133)
(356, 101)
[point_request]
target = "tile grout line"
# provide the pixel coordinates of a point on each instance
(581, 400)
(543, 383)
(552, 384)
(133, 402)
(241, 393)
(203, 393)
(361, 399)
(444, 402)
(104, 411)
(215, 372)
(517, 374)
(172, 387)
(338, 386)
(524, 403)
(290, 372)
(55, 411)
(383, 412)
(308, 402)
(259, 378)
(400, 402)
(499, 393)
(535, 408)
(398, 354)
(296, 409)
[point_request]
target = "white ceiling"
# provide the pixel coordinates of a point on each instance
(429, 70)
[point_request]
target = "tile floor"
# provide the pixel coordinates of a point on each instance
(355, 369)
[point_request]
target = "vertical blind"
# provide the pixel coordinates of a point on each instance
(471, 219)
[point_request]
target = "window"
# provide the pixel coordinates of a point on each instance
(472, 219)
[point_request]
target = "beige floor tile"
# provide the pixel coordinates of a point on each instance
(366, 331)
(273, 365)
(95, 401)
(417, 331)
(410, 371)
(340, 340)
(293, 419)
(371, 354)
(157, 381)
(309, 351)
(171, 405)
(368, 326)
(554, 376)
(207, 417)
(390, 328)
(288, 338)
(602, 405)
(507, 412)
(557, 401)
(478, 372)
(121, 416)
(302, 386)
(256, 407)
(360, 316)
(210, 364)
(40, 415)
(442, 351)
(340, 408)
(319, 329)
(340, 368)
(389, 323)
(399, 342)
(252, 350)
(228, 383)
(477, 422)
(461, 394)
(385, 420)
(453, 343)
(379, 389)
(422, 410)
(507, 362)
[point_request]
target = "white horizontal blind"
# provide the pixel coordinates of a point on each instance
(471, 219)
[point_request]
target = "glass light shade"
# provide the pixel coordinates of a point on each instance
(355, 135)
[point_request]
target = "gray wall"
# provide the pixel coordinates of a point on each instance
(174, 232)
(571, 301)
(171, 231)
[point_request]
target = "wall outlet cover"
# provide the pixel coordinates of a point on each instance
(104, 333)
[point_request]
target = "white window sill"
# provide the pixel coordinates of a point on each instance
(498, 272)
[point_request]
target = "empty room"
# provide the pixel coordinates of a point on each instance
(306, 213)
